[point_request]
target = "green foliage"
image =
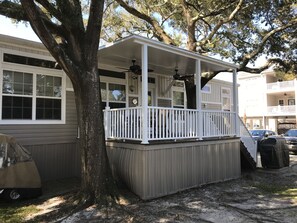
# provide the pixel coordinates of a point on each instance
(285, 76)
(277, 189)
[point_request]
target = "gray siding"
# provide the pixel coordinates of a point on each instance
(152, 171)
(215, 95)
(41, 134)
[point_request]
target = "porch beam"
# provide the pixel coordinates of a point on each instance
(235, 103)
(144, 98)
(199, 98)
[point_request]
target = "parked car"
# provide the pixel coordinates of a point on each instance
(260, 134)
(291, 140)
(19, 177)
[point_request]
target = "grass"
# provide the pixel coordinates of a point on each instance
(15, 212)
(276, 189)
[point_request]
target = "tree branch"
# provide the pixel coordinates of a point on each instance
(159, 31)
(248, 57)
(45, 36)
(13, 10)
(220, 23)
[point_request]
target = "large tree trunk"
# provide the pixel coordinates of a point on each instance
(97, 182)
(191, 89)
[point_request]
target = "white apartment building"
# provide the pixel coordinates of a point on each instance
(265, 102)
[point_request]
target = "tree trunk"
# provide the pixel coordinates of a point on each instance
(97, 182)
(191, 90)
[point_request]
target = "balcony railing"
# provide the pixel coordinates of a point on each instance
(281, 110)
(280, 85)
(168, 123)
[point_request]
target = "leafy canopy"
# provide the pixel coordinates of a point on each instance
(237, 30)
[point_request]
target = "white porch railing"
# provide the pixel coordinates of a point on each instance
(167, 123)
(247, 139)
(280, 85)
(281, 110)
(123, 123)
(218, 123)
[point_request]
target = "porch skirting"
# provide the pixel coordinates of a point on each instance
(152, 171)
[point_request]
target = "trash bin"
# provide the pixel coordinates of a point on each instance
(274, 153)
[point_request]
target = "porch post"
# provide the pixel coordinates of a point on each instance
(235, 103)
(199, 99)
(144, 100)
(107, 122)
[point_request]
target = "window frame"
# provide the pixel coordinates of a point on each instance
(227, 96)
(111, 80)
(181, 90)
(34, 71)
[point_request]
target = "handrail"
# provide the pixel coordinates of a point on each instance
(280, 85)
(248, 140)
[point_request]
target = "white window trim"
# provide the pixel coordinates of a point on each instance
(34, 71)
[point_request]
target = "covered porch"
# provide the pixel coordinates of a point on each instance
(146, 122)
(155, 143)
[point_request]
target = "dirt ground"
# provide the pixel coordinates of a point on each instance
(259, 196)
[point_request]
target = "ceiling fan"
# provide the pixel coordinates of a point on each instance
(136, 69)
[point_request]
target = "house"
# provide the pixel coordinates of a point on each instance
(156, 145)
(273, 98)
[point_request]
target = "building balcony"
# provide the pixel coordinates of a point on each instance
(281, 110)
(281, 86)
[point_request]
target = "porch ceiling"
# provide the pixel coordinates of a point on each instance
(162, 58)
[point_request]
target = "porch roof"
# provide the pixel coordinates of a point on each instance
(162, 58)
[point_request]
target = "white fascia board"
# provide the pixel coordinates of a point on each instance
(23, 43)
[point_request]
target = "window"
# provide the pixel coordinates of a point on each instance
(113, 95)
(291, 101)
(281, 102)
(17, 90)
(178, 99)
(12, 58)
(226, 99)
(206, 89)
(48, 97)
(178, 94)
(31, 97)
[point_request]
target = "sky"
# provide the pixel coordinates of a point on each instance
(7, 27)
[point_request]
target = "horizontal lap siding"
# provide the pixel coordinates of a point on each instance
(40, 134)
